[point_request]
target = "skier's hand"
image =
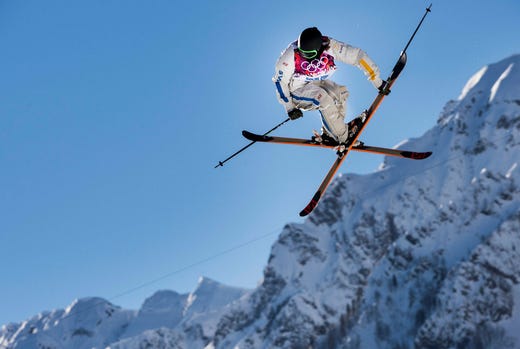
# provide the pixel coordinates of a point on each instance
(383, 88)
(295, 114)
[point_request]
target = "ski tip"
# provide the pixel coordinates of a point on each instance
(415, 155)
(249, 135)
(256, 138)
(305, 212)
(311, 205)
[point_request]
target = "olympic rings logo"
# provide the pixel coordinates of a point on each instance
(316, 65)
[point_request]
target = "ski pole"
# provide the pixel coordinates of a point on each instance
(221, 163)
(428, 10)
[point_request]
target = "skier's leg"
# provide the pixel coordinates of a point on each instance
(314, 97)
(339, 93)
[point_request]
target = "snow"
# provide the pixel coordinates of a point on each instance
(509, 172)
(472, 82)
(496, 85)
(400, 144)
(498, 81)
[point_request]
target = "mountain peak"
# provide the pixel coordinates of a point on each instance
(163, 301)
(211, 295)
(206, 283)
(498, 81)
(475, 126)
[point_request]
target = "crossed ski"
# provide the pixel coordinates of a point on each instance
(331, 145)
(352, 143)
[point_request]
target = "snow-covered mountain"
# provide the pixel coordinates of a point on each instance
(96, 323)
(419, 254)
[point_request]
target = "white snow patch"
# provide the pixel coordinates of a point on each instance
(472, 82)
(446, 119)
(510, 171)
(400, 144)
(496, 85)
(191, 299)
(69, 308)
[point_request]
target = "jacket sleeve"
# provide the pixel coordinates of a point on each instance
(357, 57)
(284, 71)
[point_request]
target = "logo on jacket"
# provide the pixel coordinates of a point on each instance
(317, 66)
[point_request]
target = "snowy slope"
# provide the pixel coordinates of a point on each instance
(420, 254)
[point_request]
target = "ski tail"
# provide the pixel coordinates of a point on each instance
(415, 155)
(324, 185)
(256, 137)
(393, 152)
(398, 67)
(274, 139)
(311, 205)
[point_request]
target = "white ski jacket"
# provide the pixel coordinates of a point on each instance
(293, 71)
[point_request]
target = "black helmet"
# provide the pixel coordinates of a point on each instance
(310, 42)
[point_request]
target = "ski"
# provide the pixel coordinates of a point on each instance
(406, 154)
(398, 68)
(324, 184)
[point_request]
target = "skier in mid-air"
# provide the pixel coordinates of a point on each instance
(301, 80)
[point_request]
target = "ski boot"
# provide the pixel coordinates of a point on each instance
(355, 125)
(323, 138)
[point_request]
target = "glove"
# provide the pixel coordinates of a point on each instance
(295, 114)
(383, 88)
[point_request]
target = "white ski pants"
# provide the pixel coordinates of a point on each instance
(330, 99)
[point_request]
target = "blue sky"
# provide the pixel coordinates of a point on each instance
(114, 113)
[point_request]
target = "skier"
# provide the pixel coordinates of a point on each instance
(301, 80)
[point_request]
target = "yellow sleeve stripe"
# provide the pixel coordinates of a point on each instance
(368, 68)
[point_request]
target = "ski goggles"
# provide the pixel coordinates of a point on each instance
(309, 54)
